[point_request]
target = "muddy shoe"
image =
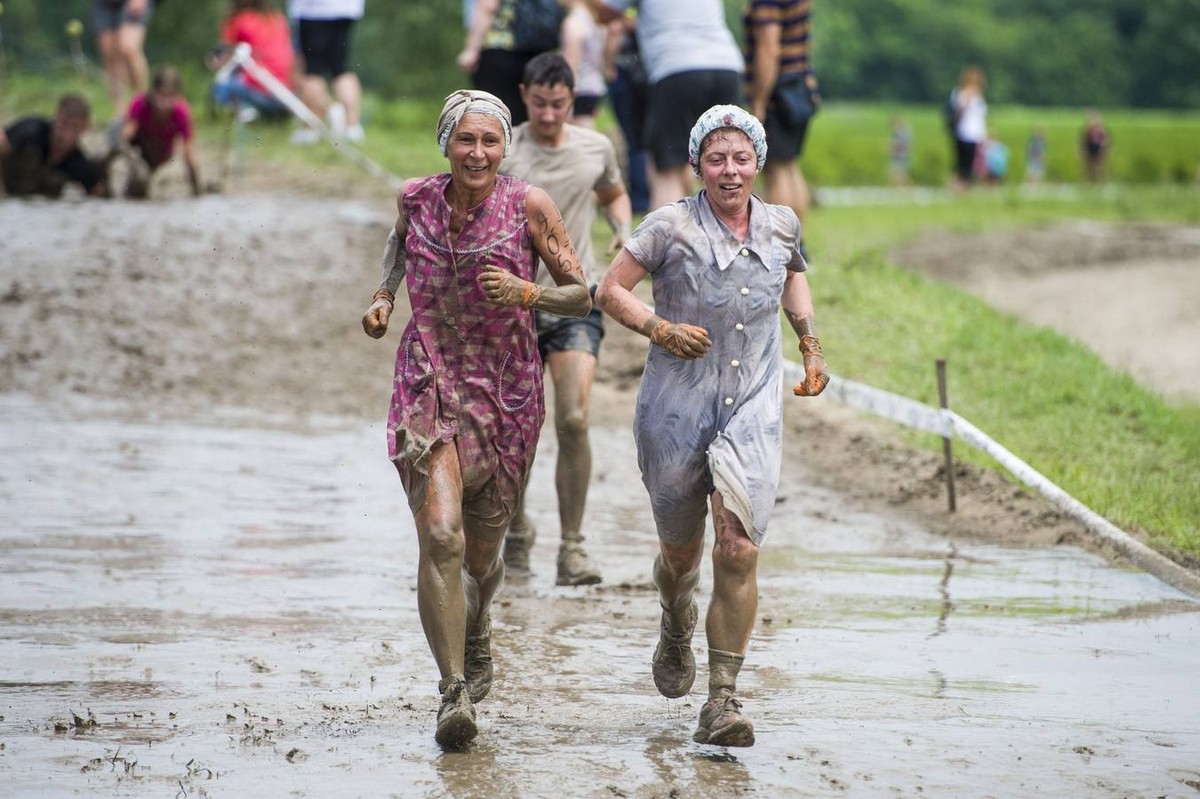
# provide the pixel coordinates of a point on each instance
(574, 565)
(478, 670)
(456, 717)
(517, 543)
(722, 723)
(674, 665)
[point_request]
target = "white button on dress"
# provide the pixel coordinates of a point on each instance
(745, 291)
(729, 400)
(739, 327)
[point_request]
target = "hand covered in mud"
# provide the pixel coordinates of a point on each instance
(375, 320)
(681, 340)
(815, 375)
(505, 288)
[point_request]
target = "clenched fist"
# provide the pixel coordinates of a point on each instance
(504, 288)
(815, 375)
(375, 320)
(681, 340)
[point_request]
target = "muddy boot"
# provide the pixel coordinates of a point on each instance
(674, 665)
(478, 670)
(517, 543)
(456, 717)
(574, 565)
(722, 722)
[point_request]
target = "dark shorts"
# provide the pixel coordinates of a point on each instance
(567, 333)
(587, 105)
(325, 44)
(676, 102)
(785, 141)
(108, 16)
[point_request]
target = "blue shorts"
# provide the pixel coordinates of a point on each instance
(108, 15)
(568, 333)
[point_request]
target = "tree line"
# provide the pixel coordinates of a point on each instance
(1110, 53)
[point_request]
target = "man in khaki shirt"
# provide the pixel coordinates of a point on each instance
(577, 167)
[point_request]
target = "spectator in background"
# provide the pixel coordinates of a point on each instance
(900, 153)
(995, 161)
(1093, 145)
(627, 87)
(121, 39)
(40, 156)
(503, 38)
(1035, 156)
(583, 43)
(326, 28)
(782, 91)
(154, 122)
(265, 29)
(692, 63)
(968, 123)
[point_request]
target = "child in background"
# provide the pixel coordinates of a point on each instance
(1035, 156)
(153, 123)
(266, 30)
(900, 153)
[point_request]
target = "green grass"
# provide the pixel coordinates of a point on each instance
(1120, 449)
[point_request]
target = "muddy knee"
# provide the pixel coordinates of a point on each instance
(443, 545)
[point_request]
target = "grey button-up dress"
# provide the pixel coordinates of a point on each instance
(714, 422)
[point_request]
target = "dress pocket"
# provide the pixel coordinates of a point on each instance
(416, 366)
(518, 382)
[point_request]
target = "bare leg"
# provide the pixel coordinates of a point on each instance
(348, 91)
(735, 583)
(315, 95)
(441, 599)
(131, 41)
(786, 186)
(669, 185)
(106, 43)
(572, 372)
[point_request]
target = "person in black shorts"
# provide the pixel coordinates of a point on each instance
(325, 29)
(40, 156)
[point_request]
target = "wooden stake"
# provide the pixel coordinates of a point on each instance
(946, 449)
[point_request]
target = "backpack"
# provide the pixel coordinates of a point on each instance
(537, 25)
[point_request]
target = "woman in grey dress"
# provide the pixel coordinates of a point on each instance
(709, 412)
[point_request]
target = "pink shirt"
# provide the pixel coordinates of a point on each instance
(156, 136)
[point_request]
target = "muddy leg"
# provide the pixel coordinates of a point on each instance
(483, 574)
(572, 372)
(676, 573)
(728, 626)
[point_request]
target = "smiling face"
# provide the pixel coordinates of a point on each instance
(728, 165)
(475, 150)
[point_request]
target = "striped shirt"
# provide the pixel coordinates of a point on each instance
(793, 18)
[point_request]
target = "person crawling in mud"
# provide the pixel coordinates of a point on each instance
(467, 404)
(146, 139)
(709, 416)
(40, 156)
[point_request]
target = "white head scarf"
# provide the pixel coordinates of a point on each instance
(727, 116)
(472, 101)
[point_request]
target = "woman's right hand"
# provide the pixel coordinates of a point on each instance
(375, 320)
(681, 340)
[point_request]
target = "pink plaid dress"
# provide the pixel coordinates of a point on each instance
(467, 371)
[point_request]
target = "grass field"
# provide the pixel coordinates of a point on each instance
(1117, 447)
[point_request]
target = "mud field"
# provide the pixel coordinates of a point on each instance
(209, 569)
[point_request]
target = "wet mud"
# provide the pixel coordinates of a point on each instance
(208, 581)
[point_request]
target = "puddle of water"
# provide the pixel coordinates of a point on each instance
(235, 608)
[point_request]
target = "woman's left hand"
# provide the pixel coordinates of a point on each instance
(504, 288)
(815, 375)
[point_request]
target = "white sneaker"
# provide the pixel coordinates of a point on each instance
(337, 120)
(247, 114)
(305, 136)
(355, 133)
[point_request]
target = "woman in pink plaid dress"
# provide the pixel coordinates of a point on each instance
(467, 405)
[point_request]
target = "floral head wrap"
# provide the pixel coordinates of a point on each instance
(472, 101)
(727, 116)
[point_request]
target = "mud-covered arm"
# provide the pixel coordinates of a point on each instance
(394, 267)
(569, 296)
(798, 308)
(618, 210)
(616, 298)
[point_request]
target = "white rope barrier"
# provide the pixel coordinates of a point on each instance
(241, 59)
(942, 422)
